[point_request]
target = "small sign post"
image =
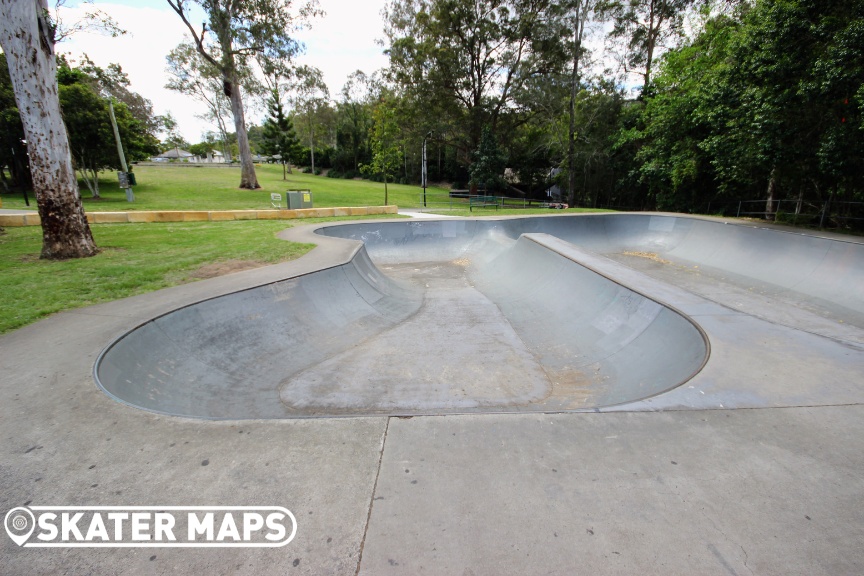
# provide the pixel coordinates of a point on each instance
(276, 200)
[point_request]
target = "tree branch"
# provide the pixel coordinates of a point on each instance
(177, 6)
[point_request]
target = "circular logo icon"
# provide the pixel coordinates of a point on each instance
(20, 523)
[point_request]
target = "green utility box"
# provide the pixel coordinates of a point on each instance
(299, 199)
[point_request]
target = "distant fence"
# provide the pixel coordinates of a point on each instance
(824, 215)
(461, 200)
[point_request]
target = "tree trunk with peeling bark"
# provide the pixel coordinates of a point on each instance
(27, 39)
(221, 20)
(248, 178)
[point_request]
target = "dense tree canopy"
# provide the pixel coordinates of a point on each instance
(87, 119)
(641, 104)
(468, 62)
(763, 102)
(737, 100)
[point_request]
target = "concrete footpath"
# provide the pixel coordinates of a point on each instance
(769, 491)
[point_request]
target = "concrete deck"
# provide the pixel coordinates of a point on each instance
(754, 466)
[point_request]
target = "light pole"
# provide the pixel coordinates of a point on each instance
(124, 180)
(423, 175)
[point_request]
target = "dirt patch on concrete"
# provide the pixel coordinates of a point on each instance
(648, 256)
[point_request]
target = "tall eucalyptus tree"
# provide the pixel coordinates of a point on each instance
(235, 31)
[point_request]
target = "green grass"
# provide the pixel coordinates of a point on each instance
(138, 258)
(190, 187)
(187, 187)
(135, 258)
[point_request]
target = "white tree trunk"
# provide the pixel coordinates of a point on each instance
(26, 38)
(248, 179)
(92, 184)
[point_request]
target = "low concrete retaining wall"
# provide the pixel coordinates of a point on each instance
(14, 220)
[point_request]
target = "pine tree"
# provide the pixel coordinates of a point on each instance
(487, 170)
(279, 136)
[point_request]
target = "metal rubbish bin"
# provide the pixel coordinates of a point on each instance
(131, 177)
(299, 199)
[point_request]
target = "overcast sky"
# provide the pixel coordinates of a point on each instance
(339, 43)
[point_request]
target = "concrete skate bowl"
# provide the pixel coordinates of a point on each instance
(462, 316)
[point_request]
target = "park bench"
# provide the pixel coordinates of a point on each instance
(483, 201)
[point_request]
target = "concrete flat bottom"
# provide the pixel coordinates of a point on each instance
(486, 332)
(753, 466)
(457, 353)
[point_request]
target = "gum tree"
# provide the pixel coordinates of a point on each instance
(311, 97)
(235, 31)
(642, 29)
(577, 13)
(468, 61)
(27, 36)
(190, 74)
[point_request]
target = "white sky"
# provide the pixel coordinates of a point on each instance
(339, 43)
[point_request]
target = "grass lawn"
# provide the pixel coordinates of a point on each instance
(187, 187)
(138, 258)
(135, 258)
(190, 187)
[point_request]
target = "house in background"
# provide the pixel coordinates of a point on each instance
(554, 192)
(175, 154)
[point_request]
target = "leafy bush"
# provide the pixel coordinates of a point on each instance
(344, 174)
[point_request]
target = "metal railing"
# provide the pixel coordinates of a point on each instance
(829, 214)
(461, 200)
(795, 212)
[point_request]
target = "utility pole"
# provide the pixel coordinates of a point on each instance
(124, 180)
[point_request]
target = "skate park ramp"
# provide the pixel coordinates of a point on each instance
(464, 316)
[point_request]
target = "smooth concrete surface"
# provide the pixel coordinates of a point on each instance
(514, 315)
(353, 341)
(754, 466)
(772, 492)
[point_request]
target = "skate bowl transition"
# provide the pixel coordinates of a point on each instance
(469, 316)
